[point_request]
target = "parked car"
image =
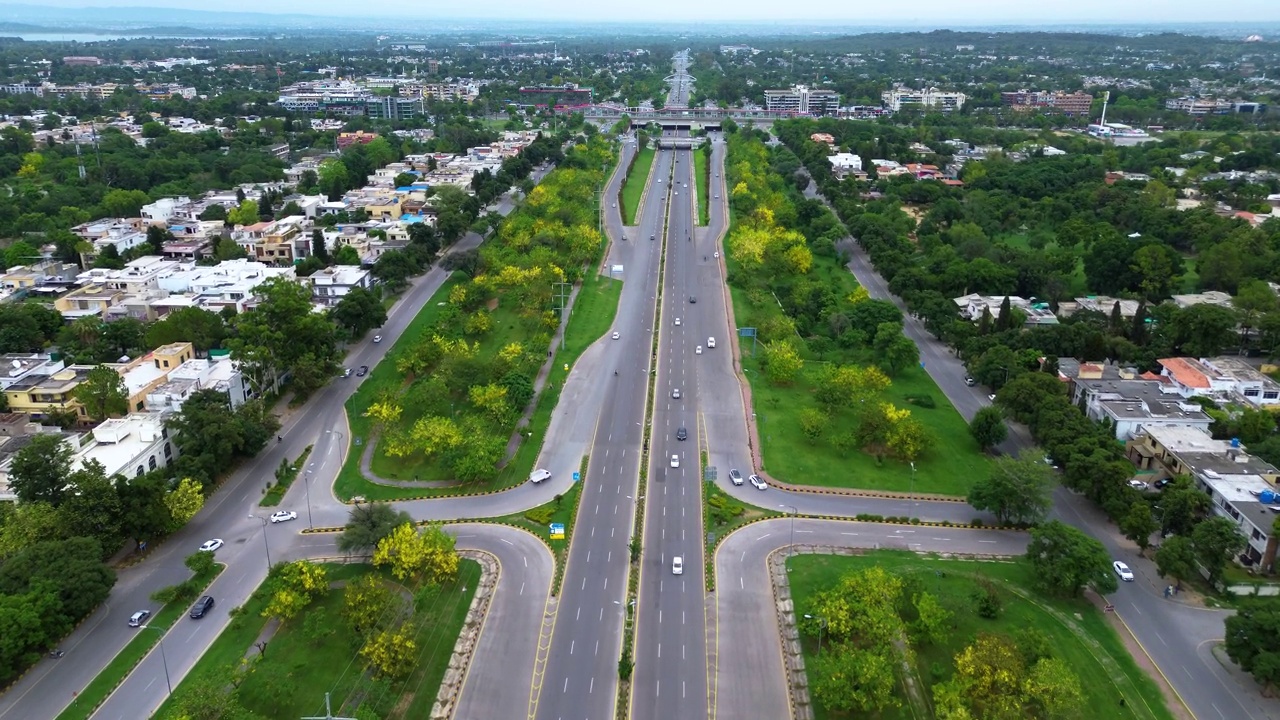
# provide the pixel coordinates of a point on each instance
(202, 607)
(735, 477)
(758, 482)
(1137, 485)
(136, 619)
(1163, 483)
(211, 545)
(1123, 571)
(283, 516)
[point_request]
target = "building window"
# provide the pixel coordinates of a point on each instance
(140, 472)
(168, 450)
(1270, 395)
(151, 462)
(1251, 392)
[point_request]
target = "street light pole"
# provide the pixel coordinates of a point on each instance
(791, 546)
(163, 660)
(822, 626)
(310, 525)
(265, 544)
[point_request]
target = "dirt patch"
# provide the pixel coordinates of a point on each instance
(492, 304)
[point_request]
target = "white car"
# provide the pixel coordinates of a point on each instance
(283, 516)
(675, 394)
(539, 475)
(616, 335)
(711, 342)
(1137, 485)
(717, 255)
(677, 322)
(735, 477)
(677, 565)
(675, 461)
(697, 350)
(758, 482)
(377, 338)
(211, 545)
(1123, 571)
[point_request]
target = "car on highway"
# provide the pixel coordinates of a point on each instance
(202, 607)
(615, 204)
(970, 381)
(675, 394)
(697, 350)
(717, 196)
(682, 434)
(677, 565)
(693, 299)
(735, 476)
(757, 482)
(717, 254)
(364, 370)
(675, 461)
(616, 335)
(377, 338)
(539, 475)
(136, 619)
(346, 373)
(211, 545)
(711, 342)
(1123, 571)
(677, 322)
(283, 516)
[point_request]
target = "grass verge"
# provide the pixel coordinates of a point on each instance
(721, 515)
(562, 510)
(1077, 632)
(101, 687)
(306, 657)
(285, 475)
(593, 313)
(633, 188)
(700, 175)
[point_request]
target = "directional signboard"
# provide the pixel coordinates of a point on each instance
(557, 531)
(577, 476)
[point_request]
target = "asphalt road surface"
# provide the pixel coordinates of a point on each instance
(581, 676)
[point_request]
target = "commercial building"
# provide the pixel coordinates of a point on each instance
(803, 100)
(1198, 105)
(929, 98)
(1070, 103)
(394, 108)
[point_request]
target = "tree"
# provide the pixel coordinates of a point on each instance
(184, 501)
(208, 434)
(896, 352)
(359, 311)
(21, 252)
(294, 586)
(429, 555)
(781, 362)
(932, 619)
(1065, 560)
(245, 214)
(987, 427)
(203, 329)
(991, 673)
(123, 203)
(1252, 639)
(1055, 689)
(1216, 539)
(346, 255)
(1017, 490)
(72, 569)
(103, 393)
(92, 506)
(283, 334)
(39, 471)
(319, 247)
(1139, 523)
(1176, 558)
(391, 653)
(393, 269)
(849, 679)
(1182, 505)
(813, 422)
(365, 602)
(143, 512)
(368, 524)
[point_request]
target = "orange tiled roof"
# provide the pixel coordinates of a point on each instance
(1185, 371)
(1153, 376)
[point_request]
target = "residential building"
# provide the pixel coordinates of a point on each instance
(87, 301)
(347, 139)
(929, 98)
(803, 100)
(330, 285)
(41, 278)
(844, 163)
(1099, 304)
(136, 276)
(122, 234)
(1208, 297)
(230, 283)
(144, 374)
(81, 61)
(1129, 402)
(973, 306)
(130, 446)
(1224, 379)
(1077, 103)
(41, 395)
(218, 372)
(165, 209)
(16, 432)
(1241, 487)
(394, 108)
(281, 241)
(1199, 105)
(18, 367)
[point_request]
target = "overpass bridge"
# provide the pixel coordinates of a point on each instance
(681, 115)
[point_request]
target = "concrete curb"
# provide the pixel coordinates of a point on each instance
(455, 676)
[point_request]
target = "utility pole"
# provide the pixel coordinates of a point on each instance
(328, 713)
(561, 301)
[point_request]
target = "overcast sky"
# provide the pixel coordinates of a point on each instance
(927, 12)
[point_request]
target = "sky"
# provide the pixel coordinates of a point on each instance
(919, 12)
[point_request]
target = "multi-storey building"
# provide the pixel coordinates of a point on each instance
(930, 98)
(1077, 103)
(803, 100)
(330, 285)
(394, 108)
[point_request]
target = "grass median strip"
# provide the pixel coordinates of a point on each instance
(633, 188)
(100, 688)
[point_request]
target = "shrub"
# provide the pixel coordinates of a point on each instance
(539, 515)
(924, 401)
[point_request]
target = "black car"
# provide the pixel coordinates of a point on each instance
(364, 370)
(682, 434)
(693, 299)
(1163, 483)
(202, 606)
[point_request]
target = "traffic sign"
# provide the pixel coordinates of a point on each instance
(577, 476)
(557, 531)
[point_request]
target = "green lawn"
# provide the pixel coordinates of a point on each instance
(633, 188)
(700, 175)
(563, 512)
(593, 313)
(299, 669)
(96, 692)
(1077, 632)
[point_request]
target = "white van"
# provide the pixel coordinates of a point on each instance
(539, 475)
(711, 342)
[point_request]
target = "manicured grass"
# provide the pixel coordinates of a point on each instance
(700, 175)
(312, 666)
(633, 188)
(274, 493)
(1077, 632)
(592, 314)
(97, 691)
(711, 493)
(563, 512)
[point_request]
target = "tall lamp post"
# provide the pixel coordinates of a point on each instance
(164, 660)
(791, 546)
(265, 544)
(822, 626)
(310, 525)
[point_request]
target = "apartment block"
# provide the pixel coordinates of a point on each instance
(930, 98)
(803, 100)
(394, 108)
(1070, 103)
